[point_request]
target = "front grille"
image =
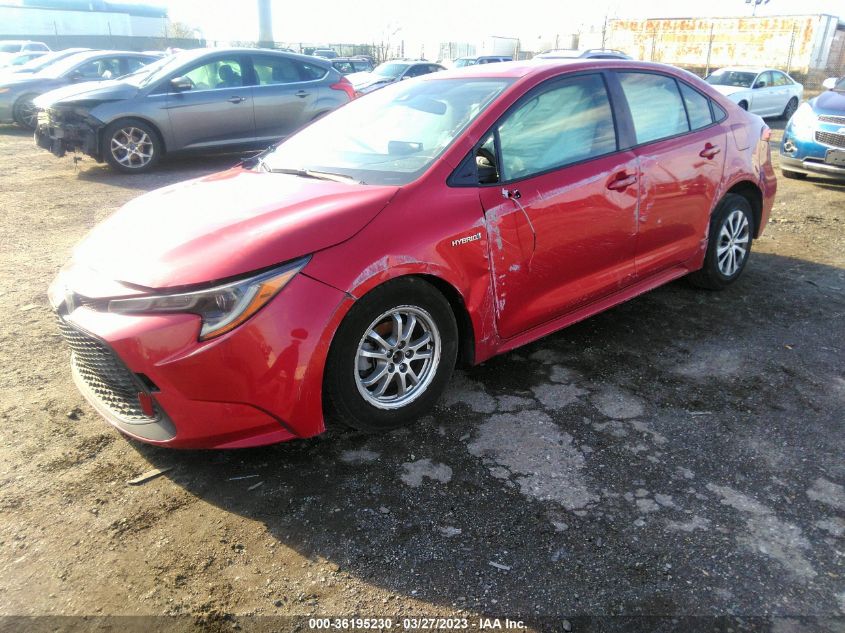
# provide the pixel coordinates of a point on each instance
(831, 138)
(830, 118)
(105, 375)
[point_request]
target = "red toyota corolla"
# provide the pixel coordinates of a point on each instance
(440, 220)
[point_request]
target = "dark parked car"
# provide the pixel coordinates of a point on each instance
(588, 53)
(17, 93)
(198, 100)
(349, 65)
(390, 72)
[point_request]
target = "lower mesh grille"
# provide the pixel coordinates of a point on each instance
(831, 138)
(105, 375)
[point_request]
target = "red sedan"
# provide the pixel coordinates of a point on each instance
(344, 273)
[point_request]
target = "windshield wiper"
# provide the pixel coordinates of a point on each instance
(310, 173)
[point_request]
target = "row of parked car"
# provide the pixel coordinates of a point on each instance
(128, 108)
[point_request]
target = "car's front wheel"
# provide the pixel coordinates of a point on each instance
(25, 112)
(392, 356)
(729, 244)
(131, 146)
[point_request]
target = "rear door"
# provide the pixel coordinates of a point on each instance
(561, 214)
(285, 93)
(681, 152)
(217, 110)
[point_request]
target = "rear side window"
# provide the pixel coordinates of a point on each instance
(698, 107)
(271, 71)
(567, 123)
(655, 104)
(310, 72)
(134, 63)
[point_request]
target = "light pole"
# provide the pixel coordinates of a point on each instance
(754, 4)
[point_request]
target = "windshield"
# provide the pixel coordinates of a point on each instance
(735, 78)
(464, 61)
(389, 137)
(36, 64)
(389, 69)
(10, 48)
(154, 71)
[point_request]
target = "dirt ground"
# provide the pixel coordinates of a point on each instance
(680, 455)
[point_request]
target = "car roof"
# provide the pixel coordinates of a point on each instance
(539, 66)
(196, 53)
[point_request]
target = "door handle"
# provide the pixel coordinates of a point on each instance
(709, 151)
(302, 94)
(236, 99)
(621, 181)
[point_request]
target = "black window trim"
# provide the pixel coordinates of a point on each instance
(458, 176)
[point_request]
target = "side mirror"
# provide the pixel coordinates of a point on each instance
(760, 84)
(404, 77)
(830, 83)
(181, 83)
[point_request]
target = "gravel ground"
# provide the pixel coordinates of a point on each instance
(680, 455)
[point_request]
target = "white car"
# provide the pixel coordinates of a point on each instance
(764, 91)
(11, 48)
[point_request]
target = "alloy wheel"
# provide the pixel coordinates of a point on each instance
(732, 247)
(397, 357)
(28, 113)
(132, 147)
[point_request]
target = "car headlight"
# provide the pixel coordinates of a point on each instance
(222, 308)
(803, 122)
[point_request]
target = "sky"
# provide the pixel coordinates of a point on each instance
(354, 21)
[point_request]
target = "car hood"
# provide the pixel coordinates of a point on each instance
(728, 90)
(89, 91)
(225, 225)
(829, 102)
(365, 80)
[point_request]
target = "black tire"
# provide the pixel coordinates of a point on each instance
(793, 175)
(789, 110)
(716, 273)
(743, 105)
(139, 140)
(346, 372)
(24, 112)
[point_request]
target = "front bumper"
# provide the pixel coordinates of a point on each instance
(60, 135)
(259, 384)
(808, 155)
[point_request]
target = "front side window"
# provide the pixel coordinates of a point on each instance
(764, 80)
(221, 73)
(102, 68)
(655, 105)
(562, 125)
(779, 79)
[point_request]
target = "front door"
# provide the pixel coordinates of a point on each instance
(681, 153)
(561, 216)
(216, 111)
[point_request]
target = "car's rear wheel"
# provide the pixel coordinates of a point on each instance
(793, 175)
(392, 356)
(729, 244)
(790, 109)
(25, 113)
(131, 146)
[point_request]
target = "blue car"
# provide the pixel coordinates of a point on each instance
(814, 139)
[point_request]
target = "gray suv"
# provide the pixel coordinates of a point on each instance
(194, 101)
